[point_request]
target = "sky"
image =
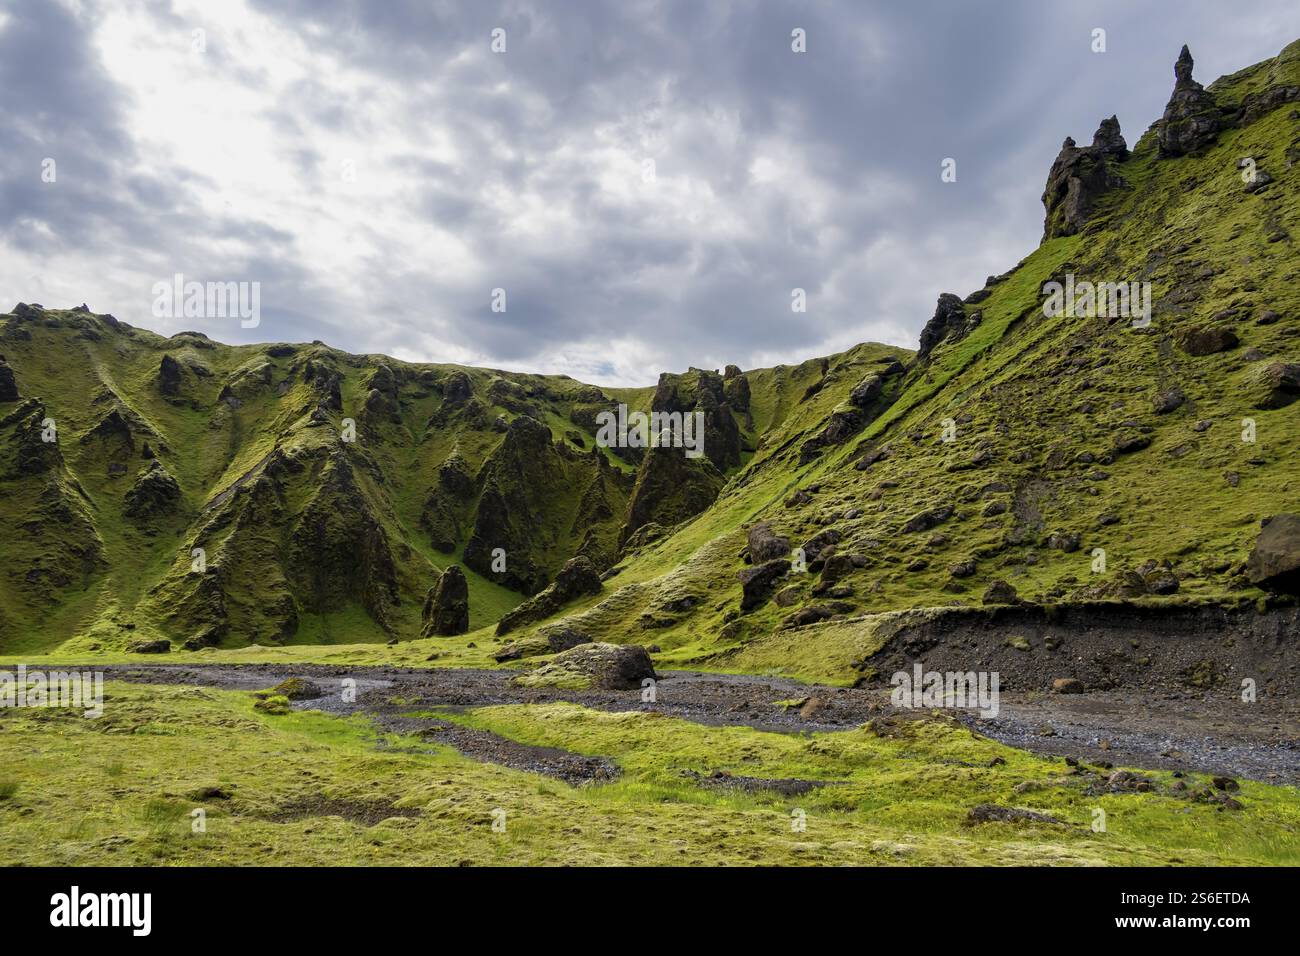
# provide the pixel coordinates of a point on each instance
(646, 181)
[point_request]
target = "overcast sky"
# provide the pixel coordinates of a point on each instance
(379, 169)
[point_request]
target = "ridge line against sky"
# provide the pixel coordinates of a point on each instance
(647, 181)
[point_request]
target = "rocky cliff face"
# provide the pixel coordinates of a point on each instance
(290, 491)
(948, 321)
(1079, 177)
(446, 606)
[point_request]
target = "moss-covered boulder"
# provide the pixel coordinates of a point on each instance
(1273, 385)
(295, 688)
(594, 667)
(1275, 560)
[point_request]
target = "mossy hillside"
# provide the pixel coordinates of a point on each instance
(213, 416)
(1064, 440)
(302, 788)
(247, 433)
(541, 503)
(1061, 444)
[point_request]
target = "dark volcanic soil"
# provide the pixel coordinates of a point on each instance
(1210, 733)
(1174, 732)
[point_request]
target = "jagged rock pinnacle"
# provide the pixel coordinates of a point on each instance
(1192, 119)
(1079, 176)
(1110, 140)
(1183, 67)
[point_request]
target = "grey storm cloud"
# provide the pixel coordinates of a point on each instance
(526, 170)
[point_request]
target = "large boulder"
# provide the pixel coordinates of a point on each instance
(160, 646)
(576, 579)
(594, 667)
(925, 520)
(1000, 592)
(1207, 340)
(1275, 385)
(765, 544)
(446, 606)
(1275, 562)
(757, 582)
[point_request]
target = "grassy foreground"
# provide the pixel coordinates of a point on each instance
(304, 789)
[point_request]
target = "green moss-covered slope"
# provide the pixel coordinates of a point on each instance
(216, 495)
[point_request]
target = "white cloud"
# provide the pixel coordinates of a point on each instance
(473, 170)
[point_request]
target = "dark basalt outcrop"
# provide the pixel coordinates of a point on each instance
(8, 384)
(1079, 176)
(446, 606)
(247, 383)
(600, 509)
(446, 508)
(703, 391)
(576, 579)
(948, 321)
(670, 488)
(735, 387)
(339, 551)
(539, 503)
(154, 493)
(382, 402)
(326, 382)
(170, 376)
(31, 454)
(756, 583)
(516, 485)
(1192, 119)
(457, 389)
(866, 400)
(765, 544)
(459, 404)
